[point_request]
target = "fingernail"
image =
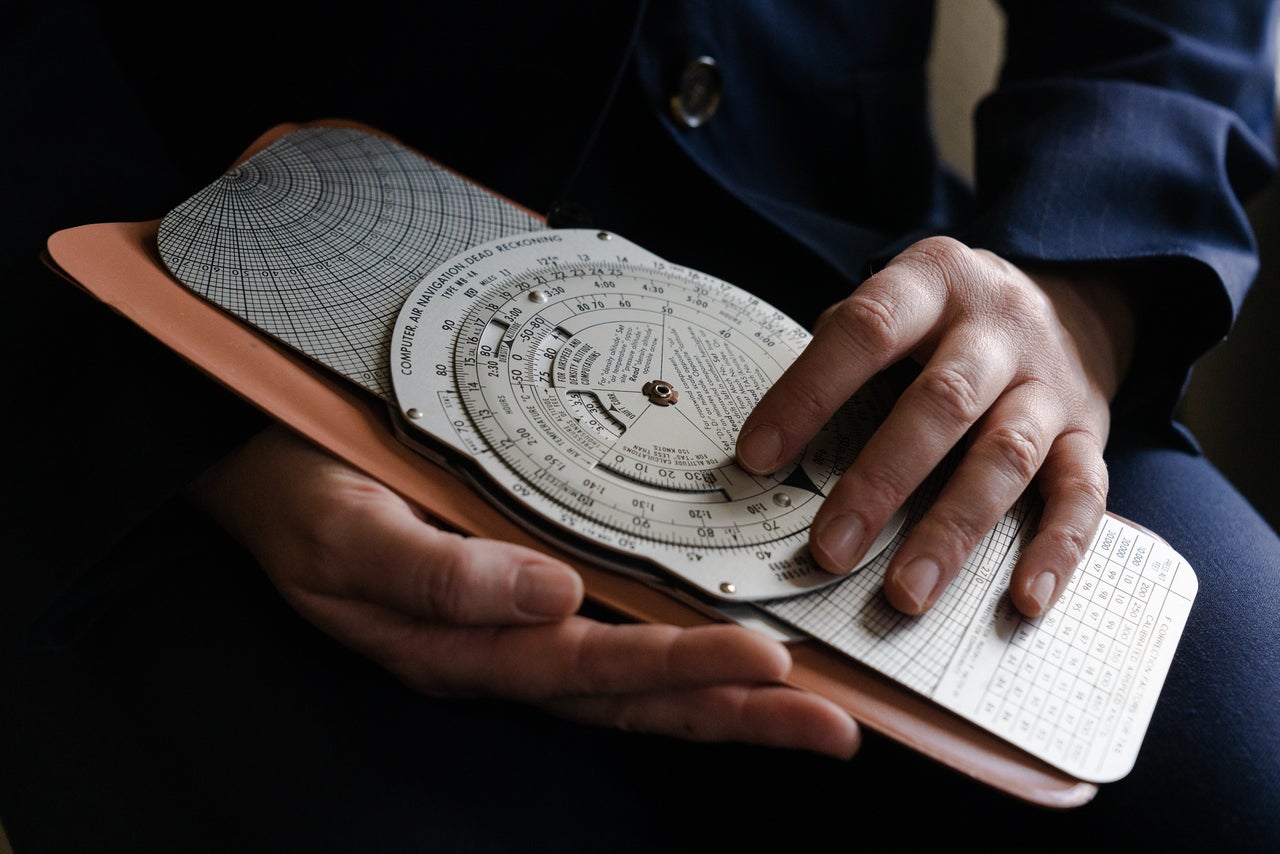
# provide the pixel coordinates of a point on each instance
(1042, 590)
(841, 541)
(759, 449)
(917, 580)
(547, 591)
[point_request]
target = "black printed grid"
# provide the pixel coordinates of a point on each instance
(318, 239)
(1065, 681)
(854, 618)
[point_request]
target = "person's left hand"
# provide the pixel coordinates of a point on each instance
(452, 615)
(1018, 368)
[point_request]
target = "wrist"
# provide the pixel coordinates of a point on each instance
(1097, 308)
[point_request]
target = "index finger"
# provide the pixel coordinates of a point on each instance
(876, 326)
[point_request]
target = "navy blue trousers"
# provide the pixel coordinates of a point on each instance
(170, 701)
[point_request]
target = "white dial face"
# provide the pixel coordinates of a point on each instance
(603, 388)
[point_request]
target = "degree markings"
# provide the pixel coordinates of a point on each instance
(605, 397)
(624, 310)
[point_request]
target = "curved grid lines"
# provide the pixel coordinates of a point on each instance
(318, 239)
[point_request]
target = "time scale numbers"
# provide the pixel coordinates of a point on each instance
(603, 388)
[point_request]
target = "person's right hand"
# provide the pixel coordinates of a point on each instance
(1018, 368)
(460, 616)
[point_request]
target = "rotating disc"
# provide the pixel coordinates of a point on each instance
(601, 389)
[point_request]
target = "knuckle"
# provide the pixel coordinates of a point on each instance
(1023, 302)
(985, 281)
(957, 527)
(950, 391)
(941, 251)
(1069, 541)
(1025, 311)
(1089, 486)
(886, 485)
(866, 319)
(1018, 450)
(947, 258)
(1079, 474)
(994, 261)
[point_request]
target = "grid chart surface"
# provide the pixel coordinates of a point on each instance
(855, 618)
(318, 239)
(1076, 687)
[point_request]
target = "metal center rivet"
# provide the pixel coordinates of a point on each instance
(660, 392)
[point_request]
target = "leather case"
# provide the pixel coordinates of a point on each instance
(118, 263)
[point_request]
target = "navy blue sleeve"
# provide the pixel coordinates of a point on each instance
(1133, 134)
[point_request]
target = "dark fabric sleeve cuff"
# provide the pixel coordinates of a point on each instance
(1147, 181)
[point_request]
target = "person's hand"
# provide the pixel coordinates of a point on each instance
(460, 616)
(1017, 366)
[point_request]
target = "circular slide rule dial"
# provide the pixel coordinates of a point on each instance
(603, 389)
